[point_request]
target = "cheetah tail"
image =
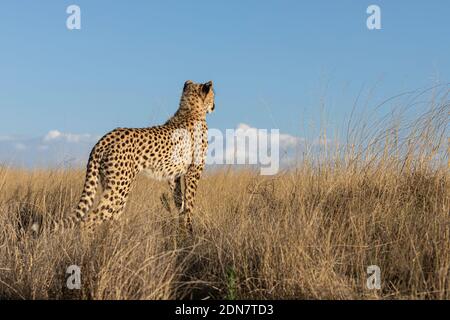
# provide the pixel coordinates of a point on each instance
(86, 199)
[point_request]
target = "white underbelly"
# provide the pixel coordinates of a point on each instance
(157, 175)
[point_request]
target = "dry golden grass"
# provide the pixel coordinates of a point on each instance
(308, 233)
(304, 234)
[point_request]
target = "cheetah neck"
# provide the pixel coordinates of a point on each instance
(187, 112)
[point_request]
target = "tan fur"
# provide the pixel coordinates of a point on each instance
(119, 156)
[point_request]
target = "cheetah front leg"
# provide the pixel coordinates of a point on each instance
(177, 194)
(175, 187)
(192, 178)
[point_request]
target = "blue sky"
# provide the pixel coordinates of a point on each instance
(272, 62)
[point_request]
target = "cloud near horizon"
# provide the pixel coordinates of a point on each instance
(55, 135)
(267, 145)
(57, 148)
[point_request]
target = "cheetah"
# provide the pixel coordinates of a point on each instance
(173, 151)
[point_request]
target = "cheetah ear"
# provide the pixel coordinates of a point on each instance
(206, 88)
(187, 83)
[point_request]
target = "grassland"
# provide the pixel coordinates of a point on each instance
(307, 233)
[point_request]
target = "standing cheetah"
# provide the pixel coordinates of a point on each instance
(173, 151)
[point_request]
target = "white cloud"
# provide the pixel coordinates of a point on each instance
(244, 143)
(55, 148)
(250, 145)
(55, 135)
(285, 140)
(52, 135)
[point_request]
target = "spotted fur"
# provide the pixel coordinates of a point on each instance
(120, 155)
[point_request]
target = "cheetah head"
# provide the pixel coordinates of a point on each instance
(203, 93)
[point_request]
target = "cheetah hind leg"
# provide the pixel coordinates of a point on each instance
(110, 207)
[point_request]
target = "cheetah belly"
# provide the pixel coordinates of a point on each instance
(157, 175)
